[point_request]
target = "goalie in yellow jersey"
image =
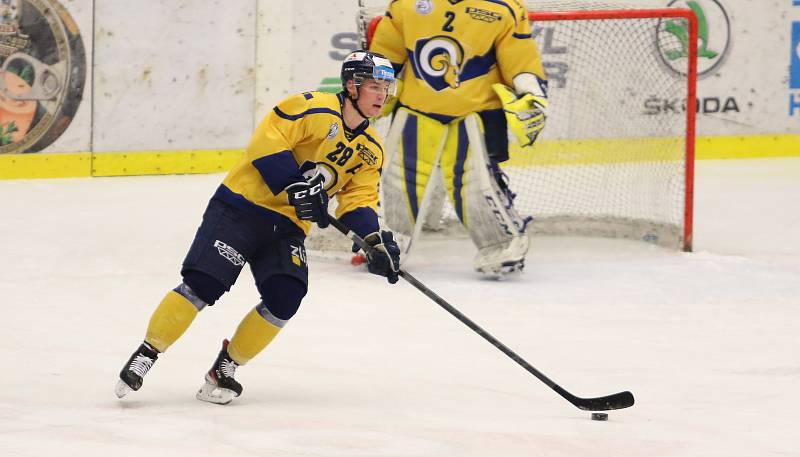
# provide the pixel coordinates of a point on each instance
(309, 147)
(471, 73)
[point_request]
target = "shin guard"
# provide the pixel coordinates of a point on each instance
(258, 328)
(171, 318)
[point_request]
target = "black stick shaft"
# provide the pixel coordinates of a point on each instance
(615, 401)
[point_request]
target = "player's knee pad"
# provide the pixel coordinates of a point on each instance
(186, 292)
(202, 287)
(281, 296)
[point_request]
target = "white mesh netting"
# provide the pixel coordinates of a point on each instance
(612, 160)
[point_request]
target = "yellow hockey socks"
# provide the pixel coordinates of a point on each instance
(254, 333)
(172, 317)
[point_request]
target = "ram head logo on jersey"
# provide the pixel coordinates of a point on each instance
(438, 61)
(329, 174)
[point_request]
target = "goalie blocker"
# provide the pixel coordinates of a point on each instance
(426, 155)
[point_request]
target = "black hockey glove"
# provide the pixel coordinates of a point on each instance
(310, 200)
(384, 259)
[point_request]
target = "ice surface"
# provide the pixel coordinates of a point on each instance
(707, 341)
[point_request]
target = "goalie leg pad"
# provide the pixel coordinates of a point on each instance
(454, 168)
(413, 146)
(486, 204)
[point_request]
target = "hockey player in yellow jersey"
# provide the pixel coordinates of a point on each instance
(310, 147)
(471, 73)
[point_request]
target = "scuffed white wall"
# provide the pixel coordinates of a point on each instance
(274, 59)
(173, 74)
(296, 45)
(199, 74)
(747, 93)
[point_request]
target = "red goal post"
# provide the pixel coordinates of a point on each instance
(603, 167)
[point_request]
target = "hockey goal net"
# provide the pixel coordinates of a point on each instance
(616, 158)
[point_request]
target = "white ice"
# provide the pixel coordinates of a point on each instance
(707, 341)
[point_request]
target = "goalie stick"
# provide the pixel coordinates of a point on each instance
(362, 25)
(618, 400)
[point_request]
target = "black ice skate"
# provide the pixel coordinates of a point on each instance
(220, 387)
(131, 376)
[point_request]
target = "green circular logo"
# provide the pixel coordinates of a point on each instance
(713, 37)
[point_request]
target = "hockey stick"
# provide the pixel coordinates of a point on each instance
(362, 23)
(610, 402)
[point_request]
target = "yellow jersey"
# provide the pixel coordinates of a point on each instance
(307, 131)
(452, 51)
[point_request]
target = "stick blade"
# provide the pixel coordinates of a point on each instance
(619, 400)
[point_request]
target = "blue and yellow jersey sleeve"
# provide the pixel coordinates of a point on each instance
(271, 148)
(453, 52)
(516, 51)
(302, 132)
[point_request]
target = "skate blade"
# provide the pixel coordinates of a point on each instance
(122, 389)
(214, 394)
(501, 273)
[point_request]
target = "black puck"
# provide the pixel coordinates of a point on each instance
(599, 416)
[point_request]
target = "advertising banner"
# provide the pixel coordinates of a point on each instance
(96, 78)
(794, 71)
(43, 74)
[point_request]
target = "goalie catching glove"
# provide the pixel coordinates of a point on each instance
(384, 258)
(525, 114)
(310, 200)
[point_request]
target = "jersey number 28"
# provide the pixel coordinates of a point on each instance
(345, 151)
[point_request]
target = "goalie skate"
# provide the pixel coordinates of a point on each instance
(220, 387)
(502, 262)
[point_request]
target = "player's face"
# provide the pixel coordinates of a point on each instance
(372, 96)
